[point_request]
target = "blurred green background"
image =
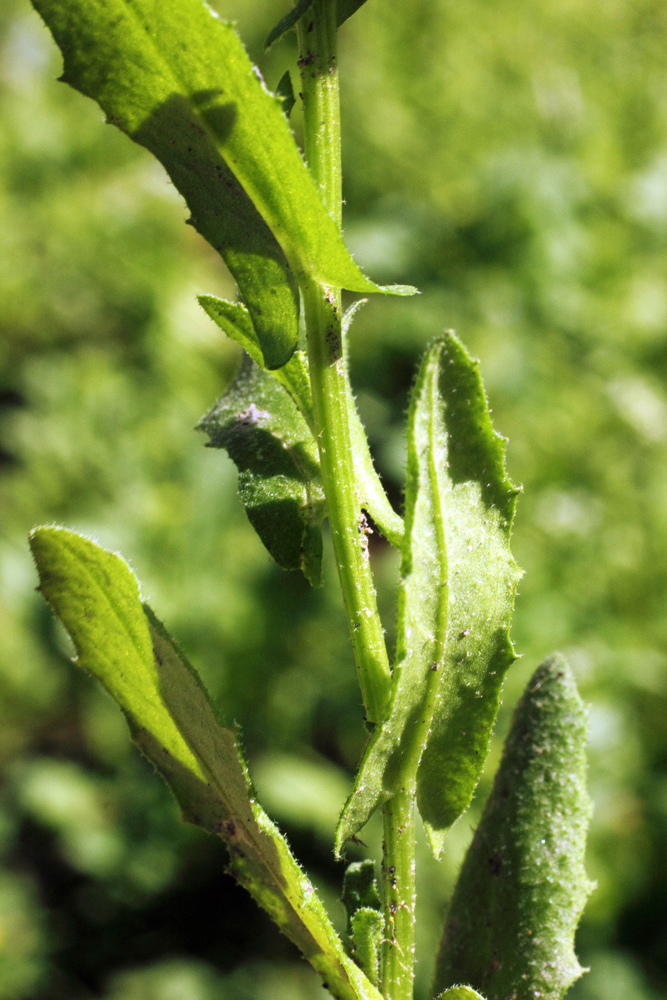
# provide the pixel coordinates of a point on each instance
(509, 159)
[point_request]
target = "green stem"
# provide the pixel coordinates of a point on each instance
(328, 373)
(398, 950)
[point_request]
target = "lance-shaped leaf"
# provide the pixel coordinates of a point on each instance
(233, 318)
(483, 578)
(279, 476)
(158, 70)
(121, 643)
(344, 9)
(395, 748)
(177, 79)
(458, 582)
(522, 888)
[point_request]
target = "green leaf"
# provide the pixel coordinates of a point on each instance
(360, 889)
(177, 79)
(344, 9)
(162, 74)
(458, 581)
(233, 318)
(460, 993)
(96, 598)
(285, 91)
(367, 936)
(483, 578)
(395, 748)
(372, 496)
(121, 643)
(279, 477)
(522, 888)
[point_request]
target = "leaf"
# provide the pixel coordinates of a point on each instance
(360, 889)
(460, 993)
(232, 317)
(279, 476)
(522, 887)
(458, 581)
(367, 936)
(372, 496)
(177, 80)
(285, 91)
(344, 9)
(96, 597)
(158, 71)
(395, 748)
(365, 923)
(121, 643)
(483, 578)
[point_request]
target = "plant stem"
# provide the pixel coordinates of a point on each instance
(331, 400)
(331, 394)
(398, 950)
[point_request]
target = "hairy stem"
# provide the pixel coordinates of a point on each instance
(398, 950)
(322, 306)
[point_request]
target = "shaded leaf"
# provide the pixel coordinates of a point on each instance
(232, 317)
(344, 9)
(360, 890)
(458, 582)
(522, 888)
(121, 643)
(279, 478)
(234, 320)
(285, 91)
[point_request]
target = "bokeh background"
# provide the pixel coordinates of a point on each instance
(509, 159)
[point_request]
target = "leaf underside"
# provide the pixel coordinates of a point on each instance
(124, 646)
(525, 866)
(458, 582)
(344, 9)
(268, 440)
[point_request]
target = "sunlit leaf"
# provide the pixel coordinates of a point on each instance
(121, 643)
(177, 79)
(460, 993)
(160, 72)
(483, 579)
(271, 445)
(525, 867)
(395, 748)
(458, 581)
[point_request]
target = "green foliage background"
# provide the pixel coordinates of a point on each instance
(509, 159)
